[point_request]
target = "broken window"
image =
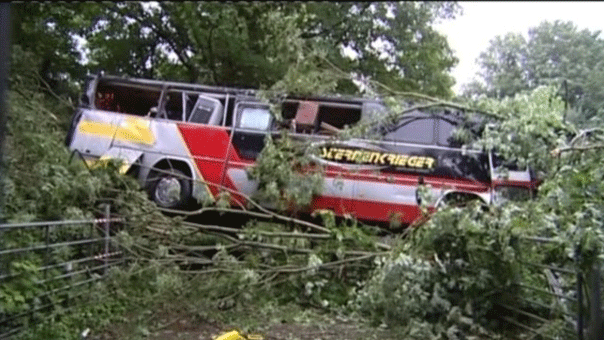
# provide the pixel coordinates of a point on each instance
(174, 105)
(253, 116)
(130, 99)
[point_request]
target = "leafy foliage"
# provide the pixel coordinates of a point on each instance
(284, 174)
(106, 302)
(534, 133)
(44, 182)
(245, 44)
(449, 278)
(528, 127)
(556, 53)
(443, 280)
(48, 32)
(446, 278)
(412, 55)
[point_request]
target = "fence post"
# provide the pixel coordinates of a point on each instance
(5, 33)
(595, 328)
(107, 224)
(46, 250)
(579, 293)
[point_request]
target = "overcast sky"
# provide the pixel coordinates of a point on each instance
(470, 33)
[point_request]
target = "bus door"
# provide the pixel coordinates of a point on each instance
(252, 121)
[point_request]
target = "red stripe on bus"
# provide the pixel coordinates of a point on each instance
(367, 210)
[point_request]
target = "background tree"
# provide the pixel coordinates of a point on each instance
(503, 67)
(394, 42)
(255, 44)
(47, 33)
(555, 53)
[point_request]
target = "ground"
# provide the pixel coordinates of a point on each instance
(339, 331)
(280, 323)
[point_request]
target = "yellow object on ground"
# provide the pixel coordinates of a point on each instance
(234, 335)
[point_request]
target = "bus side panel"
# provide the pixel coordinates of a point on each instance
(208, 146)
(210, 152)
(386, 184)
(94, 132)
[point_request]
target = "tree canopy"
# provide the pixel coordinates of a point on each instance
(437, 282)
(245, 44)
(555, 53)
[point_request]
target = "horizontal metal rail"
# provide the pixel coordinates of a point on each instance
(82, 260)
(74, 273)
(549, 308)
(525, 313)
(17, 330)
(27, 225)
(39, 308)
(65, 263)
(49, 246)
(57, 290)
(13, 331)
(29, 311)
(525, 327)
(77, 284)
(547, 292)
(539, 239)
(556, 269)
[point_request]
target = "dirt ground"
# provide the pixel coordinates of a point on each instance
(307, 325)
(273, 332)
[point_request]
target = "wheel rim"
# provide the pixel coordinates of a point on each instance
(167, 191)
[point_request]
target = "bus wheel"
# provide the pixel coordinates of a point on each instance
(458, 199)
(171, 189)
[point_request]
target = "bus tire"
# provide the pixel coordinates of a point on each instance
(170, 189)
(459, 199)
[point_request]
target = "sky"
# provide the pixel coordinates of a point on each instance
(469, 34)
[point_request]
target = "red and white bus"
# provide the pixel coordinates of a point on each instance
(188, 143)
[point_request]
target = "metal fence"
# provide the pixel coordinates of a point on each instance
(563, 301)
(47, 264)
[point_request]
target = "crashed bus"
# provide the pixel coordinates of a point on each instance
(187, 143)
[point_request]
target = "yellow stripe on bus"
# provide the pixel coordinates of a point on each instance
(130, 130)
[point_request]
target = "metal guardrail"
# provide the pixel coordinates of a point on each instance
(569, 297)
(56, 262)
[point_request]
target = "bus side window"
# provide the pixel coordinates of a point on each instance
(106, 101)
(414, 130)
(174, 106)
(190, 100)
(446, 134)
(254, 118)
(206, 111)
(201, 114)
